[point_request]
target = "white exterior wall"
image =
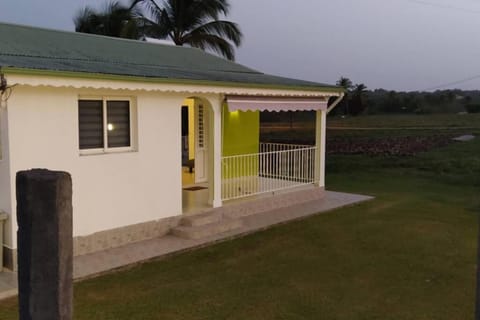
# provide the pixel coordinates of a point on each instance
(5, 191)
(39, 129)
(320, 143)
(109, 190)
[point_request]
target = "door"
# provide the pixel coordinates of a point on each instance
(185, 136)
(201, 147)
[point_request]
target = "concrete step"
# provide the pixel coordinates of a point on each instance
(207, 230)
(272, 202)
(202, 219)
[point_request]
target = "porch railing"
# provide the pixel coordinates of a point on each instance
(276, 167)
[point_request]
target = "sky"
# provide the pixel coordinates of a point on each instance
(392, 44)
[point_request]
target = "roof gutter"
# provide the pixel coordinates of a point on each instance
(336, 102)
(102, 76)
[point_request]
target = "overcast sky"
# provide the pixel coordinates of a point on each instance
(392, 44)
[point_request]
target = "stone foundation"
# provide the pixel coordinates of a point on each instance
(272, 202)
(113, 238)
(108, 239)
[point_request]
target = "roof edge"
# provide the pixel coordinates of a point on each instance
(102, 76)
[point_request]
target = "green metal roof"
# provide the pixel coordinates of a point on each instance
(35, 49)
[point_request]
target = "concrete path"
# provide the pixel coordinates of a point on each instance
(8, 284)
(94, 264)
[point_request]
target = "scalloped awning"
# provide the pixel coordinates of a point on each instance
(254, 103)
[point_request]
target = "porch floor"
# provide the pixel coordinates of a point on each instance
(195, 202)
(104, 261)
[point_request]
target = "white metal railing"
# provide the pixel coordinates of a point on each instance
(273, 147)
(276, 167)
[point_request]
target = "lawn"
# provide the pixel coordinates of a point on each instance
(408, 254)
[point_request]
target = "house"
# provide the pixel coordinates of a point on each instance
(110, 112)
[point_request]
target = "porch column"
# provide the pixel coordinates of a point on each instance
(215, 154)
(320, 142)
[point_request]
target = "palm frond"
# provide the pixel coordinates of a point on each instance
(222, 28)
(209, 8)
(152, 8)
(83, 20)
(153, 29)
(211, 42)
(193, 22)
(114, 19)
(130, 30)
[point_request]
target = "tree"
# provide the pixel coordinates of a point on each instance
(347, 85)
(466, 100)
(114, 20)
(357, 101)
(192, 22)
(359, 89)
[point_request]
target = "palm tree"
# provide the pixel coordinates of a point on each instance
(357, 100)
(115, 20)
(359, 89)
(195, 23)
(347, 85)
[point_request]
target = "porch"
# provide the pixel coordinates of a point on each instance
(276, 168)
(237, 165)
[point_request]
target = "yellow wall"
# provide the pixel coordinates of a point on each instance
(241, 135)
(241, 132)
(191, 127)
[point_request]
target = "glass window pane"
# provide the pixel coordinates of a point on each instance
(118, 124)
(90, 118)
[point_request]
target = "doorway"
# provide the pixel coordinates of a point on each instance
(188, 152)
(194, 150)
(194, 141)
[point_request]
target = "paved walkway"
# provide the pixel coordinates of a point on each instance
(8, 284)
(101, 262)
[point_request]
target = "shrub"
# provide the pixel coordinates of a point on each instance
(473, 108)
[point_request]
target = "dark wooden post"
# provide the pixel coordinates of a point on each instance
(45, 245)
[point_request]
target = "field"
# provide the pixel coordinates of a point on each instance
(408, 254)
(446, 121)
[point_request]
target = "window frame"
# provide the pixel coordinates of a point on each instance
(132, 119)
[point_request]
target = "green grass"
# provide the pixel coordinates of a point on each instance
(408, 254)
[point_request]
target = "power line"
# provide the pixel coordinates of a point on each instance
(449, 7)
(453, 83)
(443, 6)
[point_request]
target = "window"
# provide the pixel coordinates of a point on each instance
(118, 124)
(90, 117)
(105, 125)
